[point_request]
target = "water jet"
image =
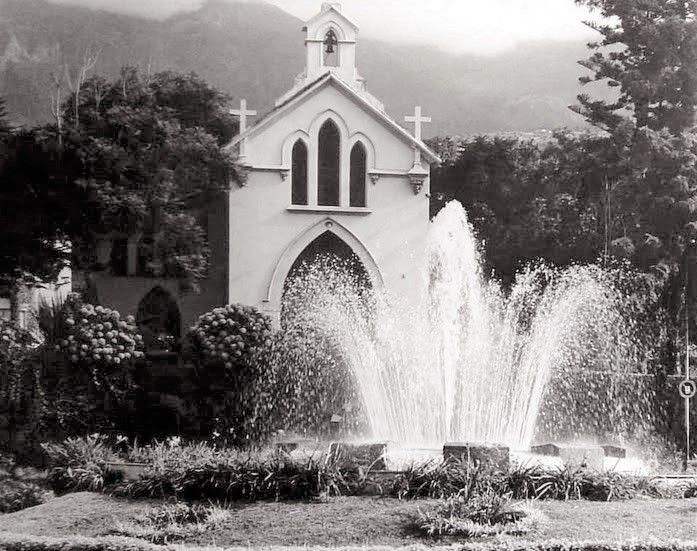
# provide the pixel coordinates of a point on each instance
(470, 361)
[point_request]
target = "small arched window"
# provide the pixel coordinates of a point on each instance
(330, 54)
(358, 175)
(329, 160)
(299, 174)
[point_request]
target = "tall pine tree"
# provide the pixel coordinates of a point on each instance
(649, 52)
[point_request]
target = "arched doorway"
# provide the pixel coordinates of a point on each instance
(303, 245)
(327, 253)
(159, 320)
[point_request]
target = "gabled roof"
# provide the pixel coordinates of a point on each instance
(331, 79)
(338, 12)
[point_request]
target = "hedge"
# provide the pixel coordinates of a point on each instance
(22, 542)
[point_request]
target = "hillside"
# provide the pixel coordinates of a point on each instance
(255, 50)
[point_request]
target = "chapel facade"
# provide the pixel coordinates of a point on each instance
(326, 169)
(327, 165)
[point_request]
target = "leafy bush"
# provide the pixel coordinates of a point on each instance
(18, 487)
(224, 341)
(442, 479)
(193, 471)
(170, 522)
(92, 449)
(573, 483)
(471, 516)
(16, 346)
(16, 495)
(255, 478)
(79, 464)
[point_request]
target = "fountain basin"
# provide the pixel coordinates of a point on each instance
(488, 457)
(574, 456)
(370, 455)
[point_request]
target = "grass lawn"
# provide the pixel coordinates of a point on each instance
(359, 520)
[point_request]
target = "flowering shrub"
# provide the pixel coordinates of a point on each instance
(226, 342)
(100, 340)
(231, 334)
(16, 344)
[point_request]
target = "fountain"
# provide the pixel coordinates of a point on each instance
(467, 362)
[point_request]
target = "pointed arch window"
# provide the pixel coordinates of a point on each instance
(330, 51)
(358, 175)
(299, 174)
(329, 161)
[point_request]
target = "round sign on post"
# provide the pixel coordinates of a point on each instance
(687, 388)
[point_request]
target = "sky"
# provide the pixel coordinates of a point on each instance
(458, 26)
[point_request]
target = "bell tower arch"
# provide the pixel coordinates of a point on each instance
(330, 44)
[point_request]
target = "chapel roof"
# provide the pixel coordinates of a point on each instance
(330, 78)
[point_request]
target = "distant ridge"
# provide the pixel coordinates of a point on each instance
(255, 50)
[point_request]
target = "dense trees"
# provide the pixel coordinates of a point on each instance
(648, 52)
(137, 156)
(629, 189)
(151, 150)
(41, 207)
(527, 200)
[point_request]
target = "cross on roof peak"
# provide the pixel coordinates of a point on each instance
(417, 119)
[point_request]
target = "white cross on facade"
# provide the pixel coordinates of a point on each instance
(243, 113)
(417, 119)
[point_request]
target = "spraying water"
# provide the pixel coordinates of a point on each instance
(466, 362)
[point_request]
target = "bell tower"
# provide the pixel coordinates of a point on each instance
(330, 44)
(330, 47)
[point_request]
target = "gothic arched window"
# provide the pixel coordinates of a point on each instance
(329, 161)
(358, 174)
(299, 174)
(330, 52)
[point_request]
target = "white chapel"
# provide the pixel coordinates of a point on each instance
(327, 165)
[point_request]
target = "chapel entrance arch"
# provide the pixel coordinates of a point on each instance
(326, 237)
(327, 252)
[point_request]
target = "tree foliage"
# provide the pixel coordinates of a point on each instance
(528, 200)
(648, 52)
(41, 205)
(137, 157)
(151, 151)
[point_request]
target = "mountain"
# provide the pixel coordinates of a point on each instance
(255, 50)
